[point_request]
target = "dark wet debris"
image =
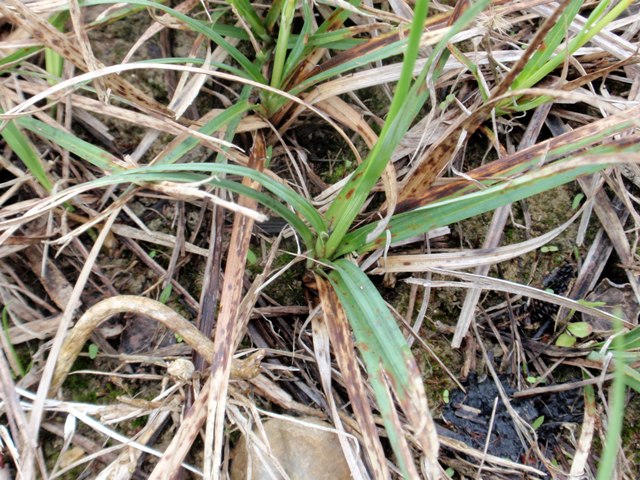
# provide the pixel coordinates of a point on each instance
(467, 417)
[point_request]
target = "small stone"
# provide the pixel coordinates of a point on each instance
(304, 452)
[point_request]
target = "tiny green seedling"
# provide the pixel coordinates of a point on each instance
(93, 351)
(445, 396)
(574, 331)
(576, 201)
(537, 423)
(166, 294)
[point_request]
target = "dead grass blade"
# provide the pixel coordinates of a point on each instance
(583, 137)
(322, 353)
(467, 258)
(184, 437)
(56, 348)
(17, 422)
(41, 30)
(475, 281)
(346, 356)
(583, 448)
(229, 324)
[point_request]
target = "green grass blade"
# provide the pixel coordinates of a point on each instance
(347, 205)
(284, 193)
(631, 340)
(246, 11)
(85, 150)
(383, 53)
(199, 62)
(53, 61)
(171, 172)
(233, 113)
(11, 351)
(340, 39)
(185, 173)
(446, 212)
(632, 376)
(349, 201)
(380, 342)
(273, 14)
(284, 30)
(547, 50)
(290, 217)
(546, 62)
(300, 41)
(233, 123)
(17, 56)
(22, 147)
(616, 415)
(333, 21)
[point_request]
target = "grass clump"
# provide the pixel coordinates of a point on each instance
(251, 78)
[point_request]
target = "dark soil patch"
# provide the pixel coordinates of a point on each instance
(469, 416)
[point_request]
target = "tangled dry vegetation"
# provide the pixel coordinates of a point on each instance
(335, 214)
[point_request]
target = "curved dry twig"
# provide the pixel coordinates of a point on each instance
(153, 309)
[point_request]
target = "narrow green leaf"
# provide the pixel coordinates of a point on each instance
(53, 61)
(553, 38)
(17, 56)
(300, 40)
(248, 14)
(24, 150)
(376, 330)
(352, 196)
(381, 344)
(85, 150)
(233, 113)
(616, 414)
(199, 62)
(446, 212)
(284, 193)
(185, 173)
(630, 340)
(544, 62)
(11, 351)
(632, 377)
(284, 30)
(215, 32)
